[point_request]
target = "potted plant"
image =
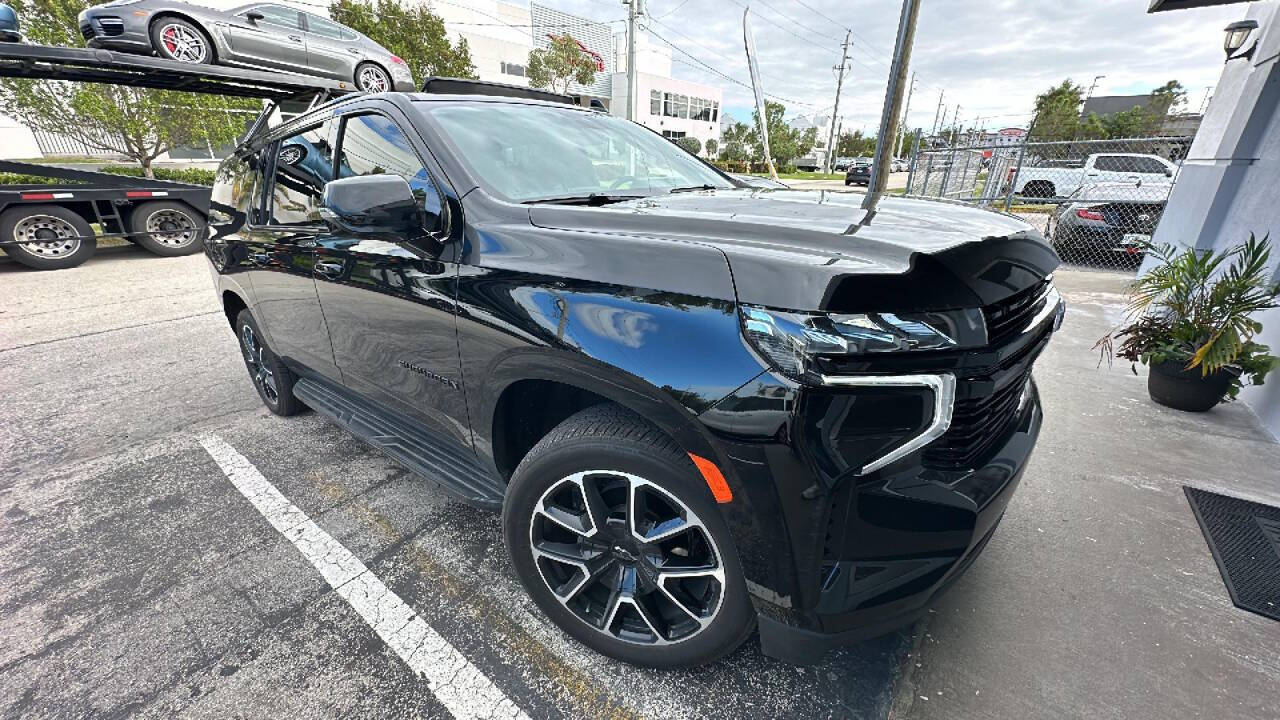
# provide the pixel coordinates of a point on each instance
(1190, 320)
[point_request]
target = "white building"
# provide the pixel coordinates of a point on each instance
(675, 108)
(498, 34)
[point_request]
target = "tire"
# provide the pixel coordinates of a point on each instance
(609, 452)
(368, 75)
(173, 38)
(32, 222)
(273, 381)
(167, 228)
(1038, 189)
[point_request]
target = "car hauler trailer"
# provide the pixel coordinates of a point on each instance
(50, 225)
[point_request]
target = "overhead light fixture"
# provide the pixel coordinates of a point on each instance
(1239, 41)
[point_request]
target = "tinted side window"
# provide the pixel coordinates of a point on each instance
(303, 164)
(1110, 163)
(328, 28)
(373, 144)
(282, 16)
(1150, 166)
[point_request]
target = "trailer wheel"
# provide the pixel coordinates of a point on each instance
(54, 236)
(167, 228)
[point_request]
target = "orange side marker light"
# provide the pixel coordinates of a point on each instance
(710, 473)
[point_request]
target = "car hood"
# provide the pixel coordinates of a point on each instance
(818, 250)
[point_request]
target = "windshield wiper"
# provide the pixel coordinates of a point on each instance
(589, 199)
(692, 188)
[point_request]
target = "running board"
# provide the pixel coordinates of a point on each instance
(456, 471)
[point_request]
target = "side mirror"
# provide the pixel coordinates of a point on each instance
(373, 206)
(254, 16)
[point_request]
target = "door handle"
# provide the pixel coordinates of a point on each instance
(296, 38)
(354, 51)
(328, 269)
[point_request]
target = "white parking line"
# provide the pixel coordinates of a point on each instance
(459, 685)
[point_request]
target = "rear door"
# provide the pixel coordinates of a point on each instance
(332, 49)
(281, 247)
(391, 303)
(274, 41)
(1113, 168)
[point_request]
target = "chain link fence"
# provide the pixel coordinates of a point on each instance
(1098, 201)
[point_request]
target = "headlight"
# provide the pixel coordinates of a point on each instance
(792, 341)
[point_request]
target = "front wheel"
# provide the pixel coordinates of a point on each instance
(618, 540)
(176, 39)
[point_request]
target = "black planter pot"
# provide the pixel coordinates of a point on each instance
(1172, 386)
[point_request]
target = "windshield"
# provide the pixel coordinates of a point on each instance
(534, 152)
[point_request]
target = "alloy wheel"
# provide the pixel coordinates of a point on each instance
(183, 44)
(372, 79)
(258, 370)
(290, 154)
(171, 228)
(627, 558)
(46, 236)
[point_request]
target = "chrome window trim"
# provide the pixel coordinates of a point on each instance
(943, 386)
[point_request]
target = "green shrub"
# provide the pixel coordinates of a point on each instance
(193, 176)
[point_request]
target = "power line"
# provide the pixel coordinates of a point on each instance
(715, 71)
(828, 18)
(789, 19)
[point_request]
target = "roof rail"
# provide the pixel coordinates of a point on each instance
(462, 86)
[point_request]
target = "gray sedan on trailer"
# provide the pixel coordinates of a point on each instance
(265, 36)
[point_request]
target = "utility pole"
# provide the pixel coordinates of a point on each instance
(955, 134)
(938, 113)
(897, 152)
(835, 111)
(892, 108)
(635, 8)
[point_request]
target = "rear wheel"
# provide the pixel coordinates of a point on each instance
(273, 381)
(51, 237)
(176, 39)
(371, 78)
(618, 540)
(167, 228)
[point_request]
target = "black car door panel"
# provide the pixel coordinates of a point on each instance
(408, 358)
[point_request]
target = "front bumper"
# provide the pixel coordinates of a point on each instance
(839, 543)
(111, 29)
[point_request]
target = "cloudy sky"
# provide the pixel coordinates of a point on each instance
(990, 56)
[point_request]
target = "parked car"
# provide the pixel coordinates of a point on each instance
(1061, 179)
(273, 37)
(759, 181)
(9, 30)
(698, 407)
(859, 174)
(1108, 218)
(898, 165)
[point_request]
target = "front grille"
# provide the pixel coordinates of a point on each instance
(1006, 317)
(977, 424)
(111, 26)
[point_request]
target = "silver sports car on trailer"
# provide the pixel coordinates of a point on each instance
(257, 35)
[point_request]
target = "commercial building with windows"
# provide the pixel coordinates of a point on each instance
(675, 108)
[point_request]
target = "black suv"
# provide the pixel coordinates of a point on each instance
(859, 174)
(699, 406)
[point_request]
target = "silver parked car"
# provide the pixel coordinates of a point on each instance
(264, 36)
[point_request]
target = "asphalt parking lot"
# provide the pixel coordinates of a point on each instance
(139, 576)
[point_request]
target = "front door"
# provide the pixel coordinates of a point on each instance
(390, 304)
(273, 41)
(281, 249)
